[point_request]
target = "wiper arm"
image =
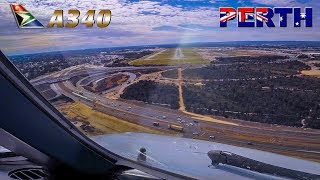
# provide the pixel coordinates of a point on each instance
(232, 159)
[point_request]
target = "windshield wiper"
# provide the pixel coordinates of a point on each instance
(232, 159)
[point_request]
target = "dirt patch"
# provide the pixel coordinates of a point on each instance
(209, 119)
(107, 83)
(181, 102)
(315, 73)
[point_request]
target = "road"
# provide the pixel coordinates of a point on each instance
(280, 139)
(121, 109)
(68, 73)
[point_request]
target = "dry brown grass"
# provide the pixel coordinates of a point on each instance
(102, 123)
(122, 79)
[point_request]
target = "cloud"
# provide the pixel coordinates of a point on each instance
(165, 28)
(140, 22)
(283, 3)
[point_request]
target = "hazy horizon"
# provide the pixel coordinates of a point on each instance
(194, 44)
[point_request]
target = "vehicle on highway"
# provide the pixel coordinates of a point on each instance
(195, 133)
(156, 124)
(175, 127)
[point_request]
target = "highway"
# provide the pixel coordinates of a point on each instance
(280, 139)
(121, 109)
(68, 73)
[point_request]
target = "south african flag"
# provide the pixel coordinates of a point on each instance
(24, 18)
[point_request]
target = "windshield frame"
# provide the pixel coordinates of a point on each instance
(11, 73)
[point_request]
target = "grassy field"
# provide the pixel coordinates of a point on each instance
(141, 62)
(164, 58)
(246, 52)
(101, 123)
(167, 54)
(191, 56)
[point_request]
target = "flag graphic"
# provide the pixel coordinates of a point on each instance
(24, 18)
(227, 14)
(260, 16)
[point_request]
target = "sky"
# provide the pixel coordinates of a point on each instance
(145, 22)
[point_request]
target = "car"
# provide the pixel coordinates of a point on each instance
(212, 137)
(195, 133)
(156, 124)
(183, 121)
(164, 117)
(191, 124)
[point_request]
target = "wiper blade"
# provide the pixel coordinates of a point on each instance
(223, 157)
